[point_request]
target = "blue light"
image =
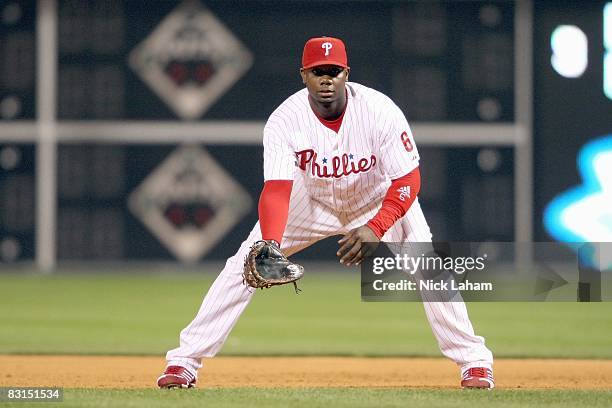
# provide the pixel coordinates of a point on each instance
(583, 214)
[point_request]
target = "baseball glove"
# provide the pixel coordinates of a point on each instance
(266, 266)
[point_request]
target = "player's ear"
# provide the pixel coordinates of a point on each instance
(348, 71)
(303, 75)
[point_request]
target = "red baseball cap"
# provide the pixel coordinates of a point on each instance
(324, 51)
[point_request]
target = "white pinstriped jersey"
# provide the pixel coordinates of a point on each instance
(345, 170)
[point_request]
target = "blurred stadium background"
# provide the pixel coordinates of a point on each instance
(130, 131)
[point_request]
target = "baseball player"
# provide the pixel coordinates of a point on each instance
(339, 159)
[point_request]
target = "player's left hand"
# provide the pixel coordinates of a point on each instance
(352, 249)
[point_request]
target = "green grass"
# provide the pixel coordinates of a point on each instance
(142, 313)
(328, 397)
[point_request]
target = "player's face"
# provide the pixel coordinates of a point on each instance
(325, 83)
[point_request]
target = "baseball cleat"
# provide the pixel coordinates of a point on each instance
(176, 377)
(477, 378)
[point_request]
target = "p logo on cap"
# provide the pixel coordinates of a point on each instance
(328, 46)
(324, 51)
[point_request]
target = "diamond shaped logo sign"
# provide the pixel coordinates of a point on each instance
(190, 60)
(189, 203)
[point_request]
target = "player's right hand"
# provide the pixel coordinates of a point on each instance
(352, 249)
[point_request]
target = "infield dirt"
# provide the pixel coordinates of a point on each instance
(141, 372)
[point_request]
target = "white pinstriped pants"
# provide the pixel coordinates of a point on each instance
(309, 222)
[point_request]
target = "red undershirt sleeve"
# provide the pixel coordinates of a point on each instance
(274, 208)
(400, 196)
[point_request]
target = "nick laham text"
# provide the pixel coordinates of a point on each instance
(433, 285)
